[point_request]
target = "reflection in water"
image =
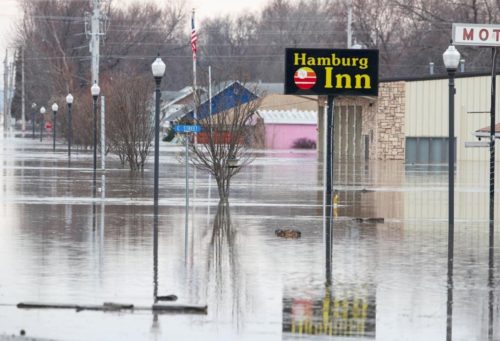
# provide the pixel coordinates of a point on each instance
(223, 267)
(348, 311)
(46, 252)
(155, 326)
(449, 290)
(155, 329)
(491, 281)
(155, 253)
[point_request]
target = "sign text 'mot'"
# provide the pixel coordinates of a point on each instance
(476, 34)
(347, 72)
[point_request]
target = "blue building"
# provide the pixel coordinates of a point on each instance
(227, 96)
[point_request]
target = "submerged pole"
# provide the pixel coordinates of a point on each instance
(328, 189)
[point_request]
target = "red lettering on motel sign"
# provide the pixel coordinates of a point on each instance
(476, 34)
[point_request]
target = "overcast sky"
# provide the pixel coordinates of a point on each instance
(9, 13)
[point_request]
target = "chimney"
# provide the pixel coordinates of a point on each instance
(462, 65)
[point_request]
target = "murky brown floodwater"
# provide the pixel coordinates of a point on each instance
(389, 281)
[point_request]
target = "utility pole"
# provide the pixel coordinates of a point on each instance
(23, 94)
(95, 34)
(10, 94)
(94, 40)
(6, 120)
(349, 27)
(103, 133)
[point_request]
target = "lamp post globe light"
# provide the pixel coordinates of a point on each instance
(42, 112)
(33, 107)
(95, 90)
(158, 69)
(55, 107)
(69, 101)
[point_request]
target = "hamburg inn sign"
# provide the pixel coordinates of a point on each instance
(347, 72)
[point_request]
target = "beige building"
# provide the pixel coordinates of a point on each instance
(409, 120)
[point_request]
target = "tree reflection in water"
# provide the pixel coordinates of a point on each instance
(225, 282)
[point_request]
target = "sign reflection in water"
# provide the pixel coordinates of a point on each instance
(350, 313)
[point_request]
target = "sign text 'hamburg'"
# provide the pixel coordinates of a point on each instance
(347, 72)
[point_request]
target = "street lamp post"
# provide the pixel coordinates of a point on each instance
(55, 107)
(95, 90)
(69, 101)
(158, 69)
(451, 58)
(42, 112)
(33, 107)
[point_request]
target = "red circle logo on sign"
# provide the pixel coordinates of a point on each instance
(304, 78)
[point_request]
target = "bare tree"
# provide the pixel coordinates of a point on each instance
(129, 123)
(226, 138)
(430, 29)
(57, 57)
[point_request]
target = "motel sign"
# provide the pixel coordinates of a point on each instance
(476, 34)
(346, 72)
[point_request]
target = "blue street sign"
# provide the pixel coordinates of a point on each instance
(183, 128)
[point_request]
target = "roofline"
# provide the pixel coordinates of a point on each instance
(435, 77)
(207, 100)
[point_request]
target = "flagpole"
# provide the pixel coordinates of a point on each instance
(195, 95)
(194, 39)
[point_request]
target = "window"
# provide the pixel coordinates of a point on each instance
(425, 150)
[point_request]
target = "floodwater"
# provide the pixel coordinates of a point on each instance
(390, 281)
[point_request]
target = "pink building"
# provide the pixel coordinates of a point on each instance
(285, 127)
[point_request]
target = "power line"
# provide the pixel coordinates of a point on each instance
(54, 17)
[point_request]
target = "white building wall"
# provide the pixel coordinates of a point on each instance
(427, 111)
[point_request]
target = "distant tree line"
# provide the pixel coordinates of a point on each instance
(409, 34)
(52, 37)
(248, 47)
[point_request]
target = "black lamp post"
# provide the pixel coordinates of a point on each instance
(451, 58)
(158, 69)
(55, 107)
(42, 112)
(95, 90)
(69, 101)
(33, 107)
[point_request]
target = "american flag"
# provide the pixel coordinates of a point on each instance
(194, 38)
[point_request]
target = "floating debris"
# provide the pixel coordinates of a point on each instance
(369, 220)
(167, 298)
(109, 306)
(294, 234)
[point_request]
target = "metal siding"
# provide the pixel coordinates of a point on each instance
(427, 111)
(425, 115)
(473, 94)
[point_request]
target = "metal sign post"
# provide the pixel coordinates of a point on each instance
(487, 36)
(330, 72)
(186, 129)
(329, 183)
(187, 199)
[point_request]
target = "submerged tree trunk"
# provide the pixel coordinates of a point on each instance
(223, 185)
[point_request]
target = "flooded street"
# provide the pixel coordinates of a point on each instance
(59, 244)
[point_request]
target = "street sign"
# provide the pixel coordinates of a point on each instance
(187, 128)
(477, 144)
(476, 34)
